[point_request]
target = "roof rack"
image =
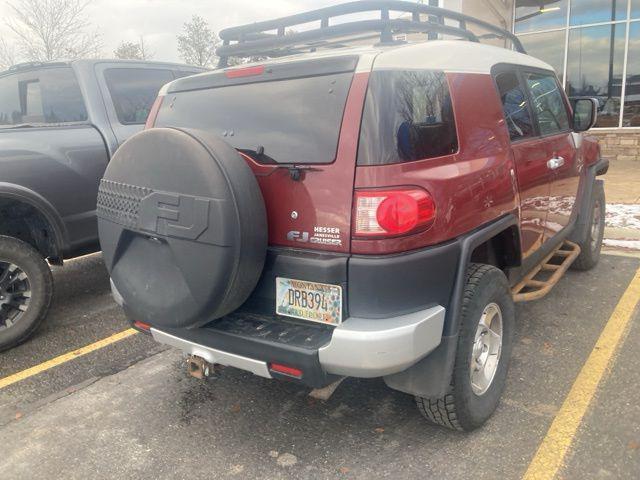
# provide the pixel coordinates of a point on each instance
(255, 40)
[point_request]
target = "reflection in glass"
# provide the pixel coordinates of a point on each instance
(584, 12)
(548, 103)
(548, 47)
(635, 8)
(594, 69)
(407, 116)
(514, 105)
(631, 116)
(533, 15)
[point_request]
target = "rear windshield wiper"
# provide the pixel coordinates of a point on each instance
(295, 170)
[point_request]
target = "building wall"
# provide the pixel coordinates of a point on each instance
(619, 145)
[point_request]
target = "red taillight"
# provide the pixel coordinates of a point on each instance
(142, 326)
(153, 113)
(244, 72)
(384, 213)
(284, 369)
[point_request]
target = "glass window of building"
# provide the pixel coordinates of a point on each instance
(548, 47)
(586, 42)
(594, 68)
(536, 15)
(585, 12)
(631, 117)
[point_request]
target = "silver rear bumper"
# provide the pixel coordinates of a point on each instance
(212, 355)
(369, 348)
(359, 347)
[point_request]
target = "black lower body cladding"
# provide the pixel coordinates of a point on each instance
(182, 226)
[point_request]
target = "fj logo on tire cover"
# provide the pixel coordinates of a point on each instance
(174, 215)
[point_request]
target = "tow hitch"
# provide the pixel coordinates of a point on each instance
(199, 368)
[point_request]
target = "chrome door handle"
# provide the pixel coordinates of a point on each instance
(555, 162)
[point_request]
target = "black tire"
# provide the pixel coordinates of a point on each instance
(461, 408)
(591, 244)
(38, 279)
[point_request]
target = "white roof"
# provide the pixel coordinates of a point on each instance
(452, 56)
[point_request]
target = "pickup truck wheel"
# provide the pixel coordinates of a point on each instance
(26, 289)
(482, 358)
(591, 245)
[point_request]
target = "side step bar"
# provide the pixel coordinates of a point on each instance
(558, 261)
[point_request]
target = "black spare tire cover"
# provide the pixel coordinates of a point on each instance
(182, 226)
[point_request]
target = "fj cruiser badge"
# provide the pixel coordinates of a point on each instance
(174, 215)
(320, 236)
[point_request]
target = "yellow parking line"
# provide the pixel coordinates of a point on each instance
(551, 453)
(54, 362)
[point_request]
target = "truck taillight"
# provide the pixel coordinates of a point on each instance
(153, 113)
(387, 213)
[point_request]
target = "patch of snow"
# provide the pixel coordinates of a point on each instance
(621, 215)
(630, 244)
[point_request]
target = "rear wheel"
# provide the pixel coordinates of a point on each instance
(591, 244)
(26, 289)
(482, 358)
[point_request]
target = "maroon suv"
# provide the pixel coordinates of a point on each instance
(368, 211)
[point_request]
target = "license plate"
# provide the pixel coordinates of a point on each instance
(317, 302)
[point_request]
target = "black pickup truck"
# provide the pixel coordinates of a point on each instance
(60, 123)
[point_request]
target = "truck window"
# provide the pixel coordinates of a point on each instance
(407, 116)
(515, 106)
(547, 102)
(133, 91)
(49, 96)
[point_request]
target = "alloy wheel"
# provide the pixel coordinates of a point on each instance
(487, 347)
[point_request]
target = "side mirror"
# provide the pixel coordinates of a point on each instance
(585, 113)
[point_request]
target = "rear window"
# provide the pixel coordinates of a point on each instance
(407, 116)
(281, 121)
(48, 96)
(133, 91)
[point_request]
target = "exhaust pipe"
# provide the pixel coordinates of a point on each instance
(199, 368)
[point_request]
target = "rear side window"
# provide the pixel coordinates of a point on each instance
(49, 96)
(407, 116)
(133, 91)
(515, 106)
(547, 102)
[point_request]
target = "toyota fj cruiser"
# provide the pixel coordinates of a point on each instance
(368, 211)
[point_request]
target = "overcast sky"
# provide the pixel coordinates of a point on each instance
(159, 21)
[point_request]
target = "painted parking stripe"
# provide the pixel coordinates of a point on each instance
(554, 447)
(66, 357)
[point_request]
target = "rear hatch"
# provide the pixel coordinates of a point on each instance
(296, 124)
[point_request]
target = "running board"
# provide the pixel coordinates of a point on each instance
(558, 261)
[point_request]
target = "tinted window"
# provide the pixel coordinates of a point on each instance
(407, 116)
(133, 91)
(515, 106)
(285, 121)
(41, 97)
(548, 103)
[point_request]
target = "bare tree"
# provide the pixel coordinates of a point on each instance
(197, 44)
(7, 55)
(52, 29)
(133, 51)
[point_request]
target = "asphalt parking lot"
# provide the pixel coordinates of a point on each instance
(128, 410)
